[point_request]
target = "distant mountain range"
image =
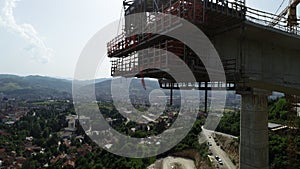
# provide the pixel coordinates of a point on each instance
(42, 88)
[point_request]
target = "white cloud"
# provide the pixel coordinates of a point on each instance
(37, 48)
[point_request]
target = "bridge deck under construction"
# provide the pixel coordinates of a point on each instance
(132, 53)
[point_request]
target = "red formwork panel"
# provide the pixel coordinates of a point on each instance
(177, 48)
(191, 10)
(127, 42)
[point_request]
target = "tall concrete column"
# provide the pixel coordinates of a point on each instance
(254, 150)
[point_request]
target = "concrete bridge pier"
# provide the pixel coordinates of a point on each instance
(254, 150)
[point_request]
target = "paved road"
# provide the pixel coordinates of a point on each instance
(217, 151)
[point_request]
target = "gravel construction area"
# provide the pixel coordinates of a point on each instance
(173, 163)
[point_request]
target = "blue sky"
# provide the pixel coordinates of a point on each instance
(46, 37)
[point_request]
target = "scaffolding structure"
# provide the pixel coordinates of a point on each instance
(152, 55)
(198, 12)
(156, 57)
(292, 104)
(124, 50)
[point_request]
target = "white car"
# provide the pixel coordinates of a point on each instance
(220, 161)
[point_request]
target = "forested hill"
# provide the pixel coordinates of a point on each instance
(34, 87)
(41, 87)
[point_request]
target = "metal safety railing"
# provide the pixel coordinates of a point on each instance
(270, 20)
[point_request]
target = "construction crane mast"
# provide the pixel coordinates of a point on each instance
(292, 103)
(291, 12)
